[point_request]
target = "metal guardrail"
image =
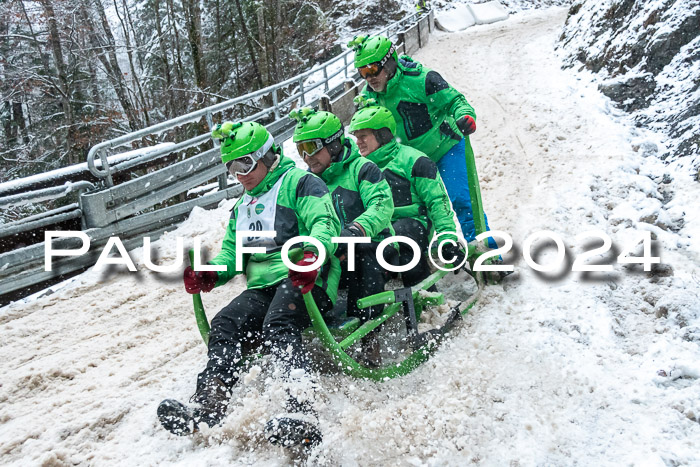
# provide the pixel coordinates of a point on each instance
(126, 209)
(329, 70)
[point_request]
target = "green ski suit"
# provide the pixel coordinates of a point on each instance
(420, 201)
(416, 187)
(361, 194)
(303, 208)
(425, 107)
(271, 310)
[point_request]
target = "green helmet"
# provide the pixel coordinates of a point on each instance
(371, 116)
(370, 49)
(242, 139)
(315, 124)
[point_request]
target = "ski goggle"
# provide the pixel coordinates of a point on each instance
(241, 166)
(245, 164)
(309, 148)
(371, 70)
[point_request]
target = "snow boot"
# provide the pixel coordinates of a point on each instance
(293, 429)
(370, 351)
(176, 417)
(296, 428)
(495, 277)
(212, 398)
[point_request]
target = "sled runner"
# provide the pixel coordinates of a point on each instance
(339, 334)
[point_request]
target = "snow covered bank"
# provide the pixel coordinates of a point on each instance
(594, 370)
(647, 54)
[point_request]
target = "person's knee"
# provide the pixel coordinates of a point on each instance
(220, 323)
(402, 227)
(277, 325)
(287, 319)
(463, 211)
(412, 229)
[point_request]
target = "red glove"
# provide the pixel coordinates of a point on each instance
(200, 281)
(466, 125)
(305, 280)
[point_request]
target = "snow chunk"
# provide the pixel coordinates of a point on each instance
(489, 12)
(457, 19)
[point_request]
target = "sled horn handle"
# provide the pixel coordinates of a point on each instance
(199, 314)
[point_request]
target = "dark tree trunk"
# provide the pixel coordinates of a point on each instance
(249, 43)
(107, 56)
(193, 13)
(169, 109)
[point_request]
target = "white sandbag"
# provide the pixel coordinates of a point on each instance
(457, 19)
(489, 12)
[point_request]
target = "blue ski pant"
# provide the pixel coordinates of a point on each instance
(453, 170)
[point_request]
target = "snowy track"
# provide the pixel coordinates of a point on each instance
(544, 371)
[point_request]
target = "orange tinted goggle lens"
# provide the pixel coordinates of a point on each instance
(367, 71)
(309, 148)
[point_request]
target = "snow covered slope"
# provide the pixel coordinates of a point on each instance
(647, 55)
(594, 370)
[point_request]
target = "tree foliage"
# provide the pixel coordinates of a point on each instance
(77, 72)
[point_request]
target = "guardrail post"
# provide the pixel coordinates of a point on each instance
(275, 105)
(345, 64)
(210, 120)
(223, 181)
(105, 167)
(325, 77)
(301, 91)
(223, 178)
(83, 221)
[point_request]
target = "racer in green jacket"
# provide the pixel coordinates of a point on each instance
(421, 203)
(361, 197)
(431, 115)
(282, 198)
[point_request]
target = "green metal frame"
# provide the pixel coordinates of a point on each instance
(475, 192)
(354, 332)
(338, 349)
(199, 314)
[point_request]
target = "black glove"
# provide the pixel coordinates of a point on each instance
(351, 230)
(450, 251)
(466, 125)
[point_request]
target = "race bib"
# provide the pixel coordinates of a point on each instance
(258, 213)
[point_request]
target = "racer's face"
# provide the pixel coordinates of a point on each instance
(366, 141)
(378, 82)
(319, 162)
(252, 179)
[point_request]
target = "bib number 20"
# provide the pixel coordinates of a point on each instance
(255, 226)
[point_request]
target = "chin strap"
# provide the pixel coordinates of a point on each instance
(274, 164)
(344, 150)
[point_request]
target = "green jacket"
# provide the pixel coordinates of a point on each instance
(303, 208)
(416, 187)
(360, 193)
(425, 108)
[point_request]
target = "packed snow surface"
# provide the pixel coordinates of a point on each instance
(595, 369)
